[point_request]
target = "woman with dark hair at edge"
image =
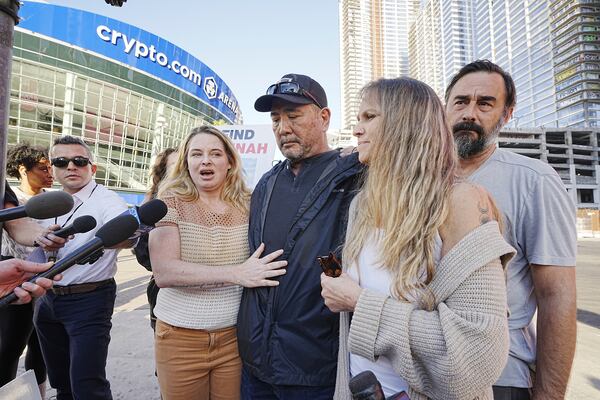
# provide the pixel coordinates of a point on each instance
(162, 165)
(423, 258)
(31, 166)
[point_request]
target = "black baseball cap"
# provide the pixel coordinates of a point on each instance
(293, 88)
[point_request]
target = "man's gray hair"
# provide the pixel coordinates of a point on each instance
(72, 140)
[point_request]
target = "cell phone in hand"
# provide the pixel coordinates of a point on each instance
(399, 396)
(330, 265)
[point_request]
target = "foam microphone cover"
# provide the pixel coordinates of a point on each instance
(117, 230)
(152, 212)
(365, 386)
(49, 205)
(83, 224)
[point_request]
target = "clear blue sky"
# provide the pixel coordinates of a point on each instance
(249, 43)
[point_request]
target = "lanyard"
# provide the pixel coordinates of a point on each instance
(76, 208)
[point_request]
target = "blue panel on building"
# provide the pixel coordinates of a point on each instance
(132, 199)
(133, 46)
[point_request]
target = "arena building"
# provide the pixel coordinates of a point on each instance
(126, 92)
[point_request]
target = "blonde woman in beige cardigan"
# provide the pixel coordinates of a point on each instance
(423, 259)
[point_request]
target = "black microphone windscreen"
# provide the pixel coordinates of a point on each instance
(83, 224)
(49, 205)
(117, 230)
(362, 381)
(152, 212)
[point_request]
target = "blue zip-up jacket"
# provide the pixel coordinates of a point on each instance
(286, 334)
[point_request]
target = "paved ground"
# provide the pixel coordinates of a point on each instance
(130, 366)
(131, 362)
(585, 378)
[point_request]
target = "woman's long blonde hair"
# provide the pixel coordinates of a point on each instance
(179, 182)
(406, 190)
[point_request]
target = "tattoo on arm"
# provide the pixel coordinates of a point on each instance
(484, 209)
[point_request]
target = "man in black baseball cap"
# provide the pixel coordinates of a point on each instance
(300, 117)
(293, 88)
(287, 338)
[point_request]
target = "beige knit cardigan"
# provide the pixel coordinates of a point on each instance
(456, 351)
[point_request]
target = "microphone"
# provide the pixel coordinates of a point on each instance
(147, 215)
(43, 206)
(81, 224)
(113, 232)
(365, 386)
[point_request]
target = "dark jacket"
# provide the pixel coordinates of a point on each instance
(286, 334)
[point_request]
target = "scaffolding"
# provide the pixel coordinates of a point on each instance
(572, 152)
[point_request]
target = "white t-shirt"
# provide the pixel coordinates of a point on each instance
(371, 275)
(539, 222)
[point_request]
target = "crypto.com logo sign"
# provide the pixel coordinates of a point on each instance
(143, 50)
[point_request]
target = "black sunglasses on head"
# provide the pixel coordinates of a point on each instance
(63, 162)
(291, 88)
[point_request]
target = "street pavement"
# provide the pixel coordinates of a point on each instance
(130, 367)
(585, 377)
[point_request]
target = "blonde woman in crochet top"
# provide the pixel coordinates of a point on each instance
(200, 257)
(423, 274)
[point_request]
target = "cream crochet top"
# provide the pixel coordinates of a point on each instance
(456, 351)
(206, 238)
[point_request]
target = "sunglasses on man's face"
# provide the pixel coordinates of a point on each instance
(63, 162)
(291, 88)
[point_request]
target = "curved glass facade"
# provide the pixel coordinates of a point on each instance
(126, 114)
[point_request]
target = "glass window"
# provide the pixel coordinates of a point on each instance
(105, 125)
(46, 89)
(46, 74)
(29, 85)
(78, 99)
(81, 60)
(77, 120)
(106, 109)
(91, 123)
(94, 87)
(570, 110)
(120, 108)
(31, 42)
(65, 53)
(59, 96)
(118, 130)
(14, 84)
(93, 103)
(49, 48)
(81, 83)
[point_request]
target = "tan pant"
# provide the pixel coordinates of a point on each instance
(197, 364)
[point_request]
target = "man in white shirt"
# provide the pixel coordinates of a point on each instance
(73, 320)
